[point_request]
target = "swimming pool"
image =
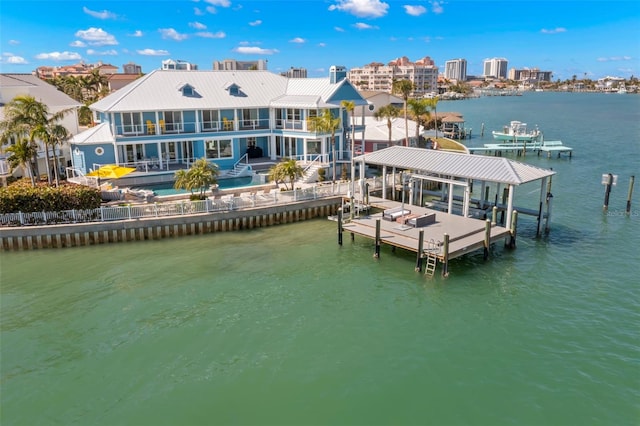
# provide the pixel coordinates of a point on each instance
(166, 188)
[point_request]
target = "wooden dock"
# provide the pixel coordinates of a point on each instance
(464, 234)
(548, 147)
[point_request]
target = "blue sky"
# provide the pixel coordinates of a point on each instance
(583, 38)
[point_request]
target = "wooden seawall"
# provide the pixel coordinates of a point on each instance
(86, 234)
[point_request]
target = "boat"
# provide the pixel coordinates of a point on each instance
(516, 131)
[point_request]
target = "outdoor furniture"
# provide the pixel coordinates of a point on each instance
(422, 220)
(395, 213)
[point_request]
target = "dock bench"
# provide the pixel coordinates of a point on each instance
(394, 213)
(422, 220)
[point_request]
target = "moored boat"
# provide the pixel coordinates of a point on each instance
(516, 131)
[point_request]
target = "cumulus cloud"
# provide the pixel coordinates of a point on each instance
(110, 52)
(363, 26)
(59, 56)
(255, 23)
(105, 14)
(414, 10)
(339, 29)
(136, 33)
(298, 40)
(362, 8)
(197, 11)
(10, 58)
(170, 33)
(96, 37)
(14, 42)
(152, 52)
(197, 25)
(553, 31)
(216, 3)
(322, 44)
(207, 34)
(614, 59)
(254, 50)
(436, 7)
(77, 43)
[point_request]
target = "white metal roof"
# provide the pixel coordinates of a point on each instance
(459, 165)
(159, 91)
(377, 130)
(99, 134)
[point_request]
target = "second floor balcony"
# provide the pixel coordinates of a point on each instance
(162, 127)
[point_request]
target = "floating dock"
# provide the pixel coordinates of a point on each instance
(548, 147)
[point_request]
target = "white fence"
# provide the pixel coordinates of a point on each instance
(185, 207)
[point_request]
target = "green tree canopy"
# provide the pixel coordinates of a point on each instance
(286, 171)
(199, 177)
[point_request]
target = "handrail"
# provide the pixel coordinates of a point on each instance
(312, 163)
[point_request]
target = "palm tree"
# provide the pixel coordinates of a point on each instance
(326, 123)
(388, 112)
(286, 170)
(404, 89)
(200, 176)
(349, 106)
(20, 155)
(420, 111)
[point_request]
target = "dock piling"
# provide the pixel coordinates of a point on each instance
(512, 236)
(339, 226)
(487, 238)
(420, 251)
(631, 181)
(607, 191)
(445, 256)
(377, 252)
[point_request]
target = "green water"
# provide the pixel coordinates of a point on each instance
(282, 326)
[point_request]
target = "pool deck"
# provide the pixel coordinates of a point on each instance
(465, 234)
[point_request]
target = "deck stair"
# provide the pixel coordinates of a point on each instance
(238, 170)
(310, 173)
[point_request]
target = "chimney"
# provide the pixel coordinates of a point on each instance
(337, 73)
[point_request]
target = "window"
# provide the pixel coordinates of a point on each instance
(293, 114)
(210, 120)
(172, 121)
(131, 123)
(219, 148)
(187, 90)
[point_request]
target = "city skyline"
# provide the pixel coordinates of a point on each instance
(602, 40)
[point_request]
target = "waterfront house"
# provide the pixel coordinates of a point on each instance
(166, 119)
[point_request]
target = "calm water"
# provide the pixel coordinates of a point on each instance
(282, 326)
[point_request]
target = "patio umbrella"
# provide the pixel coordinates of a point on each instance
(111, 171)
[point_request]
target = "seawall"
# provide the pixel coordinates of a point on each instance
(87, 234)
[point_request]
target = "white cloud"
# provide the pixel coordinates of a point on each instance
(298, 40)
(363, 26)
(212, 10)
(136, 33)
(14, 42)
(339, 29)
(96, 37)
(436, 7)
(614, 59)
(221, 3)
(105, 14)
(362, 8)
(254, 50)
(197, 11)
(152, 52)
(172, 34)
(197, 25)
(414, 10)
(10, 58)
(78, 43)
(111, 52)
(255, 23)
(322, 44)
(553, 31)
(207, 34)
(59, 56)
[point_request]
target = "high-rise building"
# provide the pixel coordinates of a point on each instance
(295, 73)
(131, 68)
(495, 67)
(456, 69)
(233, 65)
(377, 77)
(170, 64)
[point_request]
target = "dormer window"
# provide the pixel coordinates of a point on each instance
(187, 90)
(233, 89)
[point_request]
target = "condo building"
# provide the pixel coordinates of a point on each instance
(456, 69)
(532, 75)
(181, 65)
(495, 67)
(233, 65)
(378, 77)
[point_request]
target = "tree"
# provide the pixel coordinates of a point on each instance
(349, 106)
(200, 176)
(327, 123)
(404, 89)
(420, 110)
(388, 112)
(20, 155)
(286, 170)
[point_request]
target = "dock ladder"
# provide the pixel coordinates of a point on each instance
(432, 258)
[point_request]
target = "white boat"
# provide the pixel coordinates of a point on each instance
(517, 131)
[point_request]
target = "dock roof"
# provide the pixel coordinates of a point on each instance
(457, 165)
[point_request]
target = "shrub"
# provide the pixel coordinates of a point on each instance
(22, 197)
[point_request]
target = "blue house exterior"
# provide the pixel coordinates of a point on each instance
(167, 119)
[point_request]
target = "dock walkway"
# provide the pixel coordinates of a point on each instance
(465, 234)
(548, 147)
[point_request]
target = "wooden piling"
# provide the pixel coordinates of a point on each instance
(340, 226)
(631, 181)
(420, 251)
(512, 236)
(494, 215)
(607, 191)
(445, 256)
(487, 238)
(377, 252)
